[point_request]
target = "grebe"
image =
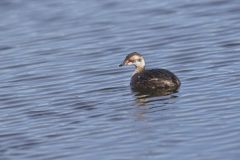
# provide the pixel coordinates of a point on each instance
(153, 80)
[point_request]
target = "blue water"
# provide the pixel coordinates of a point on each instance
(63, 96)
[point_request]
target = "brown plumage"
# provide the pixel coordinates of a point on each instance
(154, 80)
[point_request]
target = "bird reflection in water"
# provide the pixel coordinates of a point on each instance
(144, 103)
(142, 98)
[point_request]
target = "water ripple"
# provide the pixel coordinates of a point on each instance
(63, 95)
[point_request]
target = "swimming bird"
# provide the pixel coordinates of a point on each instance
(152, 80)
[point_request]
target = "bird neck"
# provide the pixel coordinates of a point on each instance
(139, 69)
(139, 66)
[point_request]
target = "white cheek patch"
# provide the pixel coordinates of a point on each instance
(137, 63)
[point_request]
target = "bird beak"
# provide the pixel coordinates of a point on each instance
(120, 65)
(123, 63)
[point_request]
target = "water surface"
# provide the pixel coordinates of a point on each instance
(63, 96)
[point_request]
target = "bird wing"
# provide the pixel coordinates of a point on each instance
(155, 78)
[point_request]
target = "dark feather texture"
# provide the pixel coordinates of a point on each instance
(155, 80)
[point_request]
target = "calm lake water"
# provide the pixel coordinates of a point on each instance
(63, 96)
